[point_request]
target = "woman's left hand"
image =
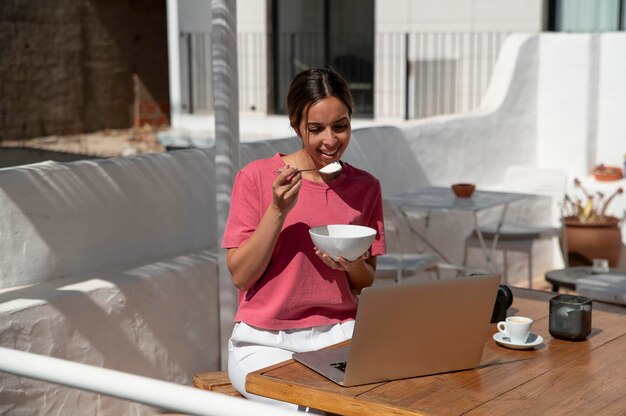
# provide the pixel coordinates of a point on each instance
(341, 263)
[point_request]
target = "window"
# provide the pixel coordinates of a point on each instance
(587, 15)
(324, 33)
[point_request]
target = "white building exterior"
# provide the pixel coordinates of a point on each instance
(391, 17)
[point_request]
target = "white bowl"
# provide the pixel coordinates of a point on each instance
(343, 240)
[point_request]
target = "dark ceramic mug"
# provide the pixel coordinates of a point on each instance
(570, 317)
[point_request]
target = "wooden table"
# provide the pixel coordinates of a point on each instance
(558, 377)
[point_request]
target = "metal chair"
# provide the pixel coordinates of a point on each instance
(520, 237)
(398, 263)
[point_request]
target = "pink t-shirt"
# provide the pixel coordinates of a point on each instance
(298, 290)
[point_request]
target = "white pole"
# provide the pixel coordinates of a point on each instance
(173, 50)
(174, 397)
(226, 109)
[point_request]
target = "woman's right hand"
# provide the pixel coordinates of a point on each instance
(285, 188)
(247, 262)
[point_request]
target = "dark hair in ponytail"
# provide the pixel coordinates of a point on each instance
(312, 86)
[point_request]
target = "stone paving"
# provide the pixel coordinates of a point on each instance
(104, 143)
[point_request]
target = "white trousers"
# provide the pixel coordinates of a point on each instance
(250, 349)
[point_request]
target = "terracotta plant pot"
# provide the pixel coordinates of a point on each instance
(600, 239)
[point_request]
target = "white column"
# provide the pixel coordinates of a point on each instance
(173, 50)
(226, 109)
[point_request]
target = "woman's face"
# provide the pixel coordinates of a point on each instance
(326, 131)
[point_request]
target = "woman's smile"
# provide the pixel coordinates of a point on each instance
(329, 153)
(326, 131)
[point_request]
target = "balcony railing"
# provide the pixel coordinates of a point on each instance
(426, 74)
(170, 396)
(416, 75)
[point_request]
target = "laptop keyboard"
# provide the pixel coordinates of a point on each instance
(340, 366)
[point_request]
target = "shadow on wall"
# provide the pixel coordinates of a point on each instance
(116, 319)
(385, 153)
(124, 319)
(17, 156)
(67, 219)
(130, 39)
(115, 250)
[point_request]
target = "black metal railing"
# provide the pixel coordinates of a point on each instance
(196, 72)
(415, 75)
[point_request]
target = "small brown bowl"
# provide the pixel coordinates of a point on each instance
(607, 173)
(463, 190)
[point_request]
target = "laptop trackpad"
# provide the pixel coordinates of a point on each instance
(330, 363)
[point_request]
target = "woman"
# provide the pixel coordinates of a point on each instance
(292, 297)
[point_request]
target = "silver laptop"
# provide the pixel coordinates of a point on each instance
(412, 330)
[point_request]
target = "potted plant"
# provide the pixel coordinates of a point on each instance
(591, 233)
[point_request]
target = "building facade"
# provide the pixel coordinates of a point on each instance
(404, 59)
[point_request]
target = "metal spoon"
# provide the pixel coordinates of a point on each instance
(329, 169)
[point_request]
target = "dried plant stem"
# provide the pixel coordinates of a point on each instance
(609, 199)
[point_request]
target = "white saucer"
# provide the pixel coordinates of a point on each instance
(532, 341)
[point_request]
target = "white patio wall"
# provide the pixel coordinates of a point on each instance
(67, 219)
(157, 319)
(612, 102)
(110, 263)
(582, 101)
(581, 108)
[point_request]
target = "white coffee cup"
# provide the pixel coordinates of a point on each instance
(516, 328)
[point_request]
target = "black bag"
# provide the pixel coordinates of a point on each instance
(504, 300)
